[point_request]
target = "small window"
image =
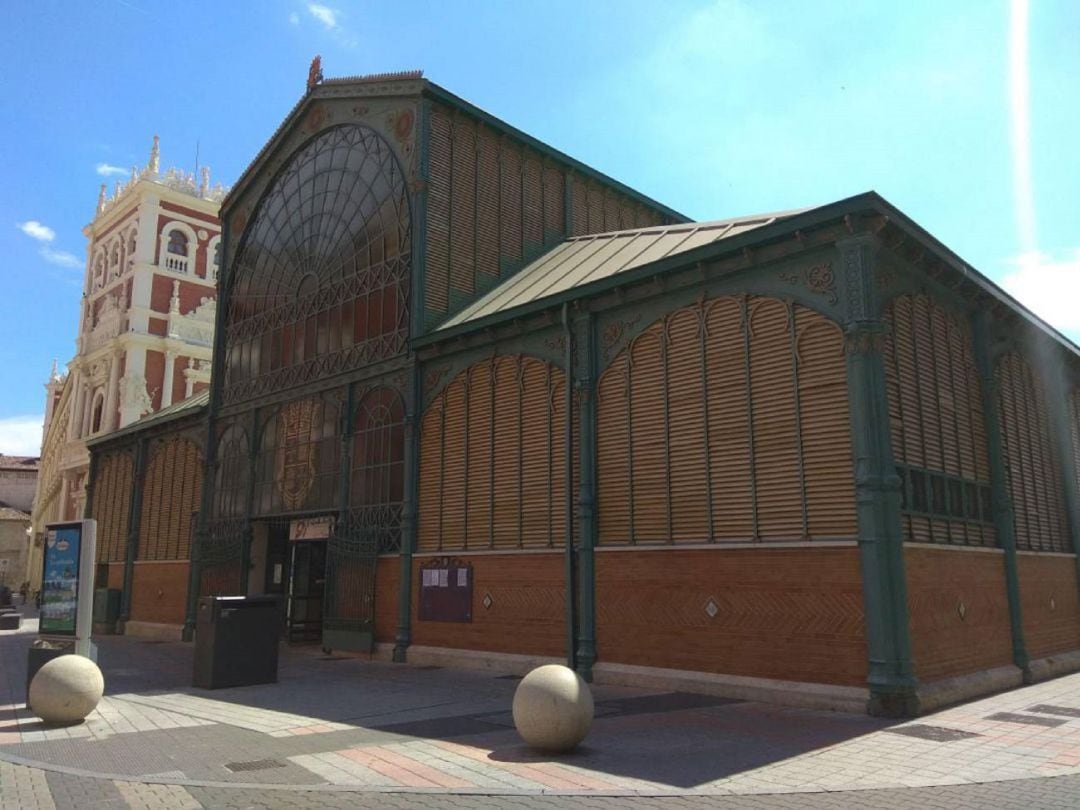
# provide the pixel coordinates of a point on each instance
(178, 243)
(956, 499)
(217, 254)
(918, 491)
(971, 493)
(937, 495)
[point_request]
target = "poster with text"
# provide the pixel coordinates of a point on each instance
(60, 583)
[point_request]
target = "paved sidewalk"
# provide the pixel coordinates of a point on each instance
(338, 731)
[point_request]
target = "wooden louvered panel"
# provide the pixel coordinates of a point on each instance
(579, 206)
(940, 362)
(533, 195)
(487, 206)
(1014, 468)
(686, 428)
(558, 468)
(730, 468)
(537, 454)
(455, 449)
(612, 454)
(915, 450)
(826, 427)
(649, 438)
(962, 394)
(507, 505)
(892, 390)
(429, 502)
(594, 196)
(153, 505)
(437, 281)
(510, 211)
(554, 203)
(481, 416)
(611, 212)
(776, 439)
(463, 208)
(926, 381)
(1074, 429)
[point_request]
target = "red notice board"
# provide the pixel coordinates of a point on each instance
(446, 588)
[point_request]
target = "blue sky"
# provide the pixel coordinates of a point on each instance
(959, 113)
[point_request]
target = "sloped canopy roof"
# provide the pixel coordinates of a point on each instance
(585, 259)
(174, 411)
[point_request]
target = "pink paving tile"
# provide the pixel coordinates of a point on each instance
(546, 773)
(375, 757)
(401, 776)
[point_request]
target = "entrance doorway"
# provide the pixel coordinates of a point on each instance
(289, 561)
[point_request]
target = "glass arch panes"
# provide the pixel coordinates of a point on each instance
(377, 477)
(320, 281)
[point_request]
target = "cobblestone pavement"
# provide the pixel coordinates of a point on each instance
(345, 732)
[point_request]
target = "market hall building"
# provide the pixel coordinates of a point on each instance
(475, 402)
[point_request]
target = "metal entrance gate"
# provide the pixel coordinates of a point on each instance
(349, 600)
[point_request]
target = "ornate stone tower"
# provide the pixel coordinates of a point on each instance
(146, 322)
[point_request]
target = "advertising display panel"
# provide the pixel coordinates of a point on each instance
(60, 579)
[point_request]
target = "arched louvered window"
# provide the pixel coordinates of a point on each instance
(174, 477)
(1031, 463)
(727, 421)
(112, 504)
(320, 280)
(937, 424)
(493, 459)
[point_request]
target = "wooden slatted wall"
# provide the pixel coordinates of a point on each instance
(112, 504)
(495, 204)
(1074, 428)
(937, 424)
(726, 422)
(492, 459)
(171, 492)
(1034, 481)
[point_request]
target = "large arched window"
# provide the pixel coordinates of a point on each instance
(177, 243)
(320, 280)
(376, 486)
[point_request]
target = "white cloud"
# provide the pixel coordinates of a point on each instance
(35, 230)
(60, 257)
(21, 435)
(1049, 286)
(294, 18)
(106, 169)
(324, 14)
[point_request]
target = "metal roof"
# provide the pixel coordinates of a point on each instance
(174, 411)
(585, 259)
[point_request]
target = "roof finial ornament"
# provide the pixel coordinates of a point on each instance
(54, 375)
(204, 182)
(314, 75)
(155, 157)
(101, 200)
(134, 175)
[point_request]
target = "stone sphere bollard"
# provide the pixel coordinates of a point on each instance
(553, 708)
(66, 689)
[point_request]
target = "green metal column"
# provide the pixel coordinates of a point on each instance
(877, 489)
(1004, 525)
(134, 518)
(1058, 392)
(413, 393)
(586, 389)
(249, 501)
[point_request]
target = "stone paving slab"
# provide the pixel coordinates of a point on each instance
(441, 737)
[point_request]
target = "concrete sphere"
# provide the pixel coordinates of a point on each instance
(66, 689)
(553, 708)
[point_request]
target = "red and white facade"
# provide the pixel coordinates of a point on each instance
(146, 322)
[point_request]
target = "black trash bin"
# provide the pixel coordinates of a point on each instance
(41, 652)
(236, 641)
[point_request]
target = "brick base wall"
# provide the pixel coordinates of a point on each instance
(958, 611)
(1049, 603)
(789, 614)
(159, 592)
(527, 612)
